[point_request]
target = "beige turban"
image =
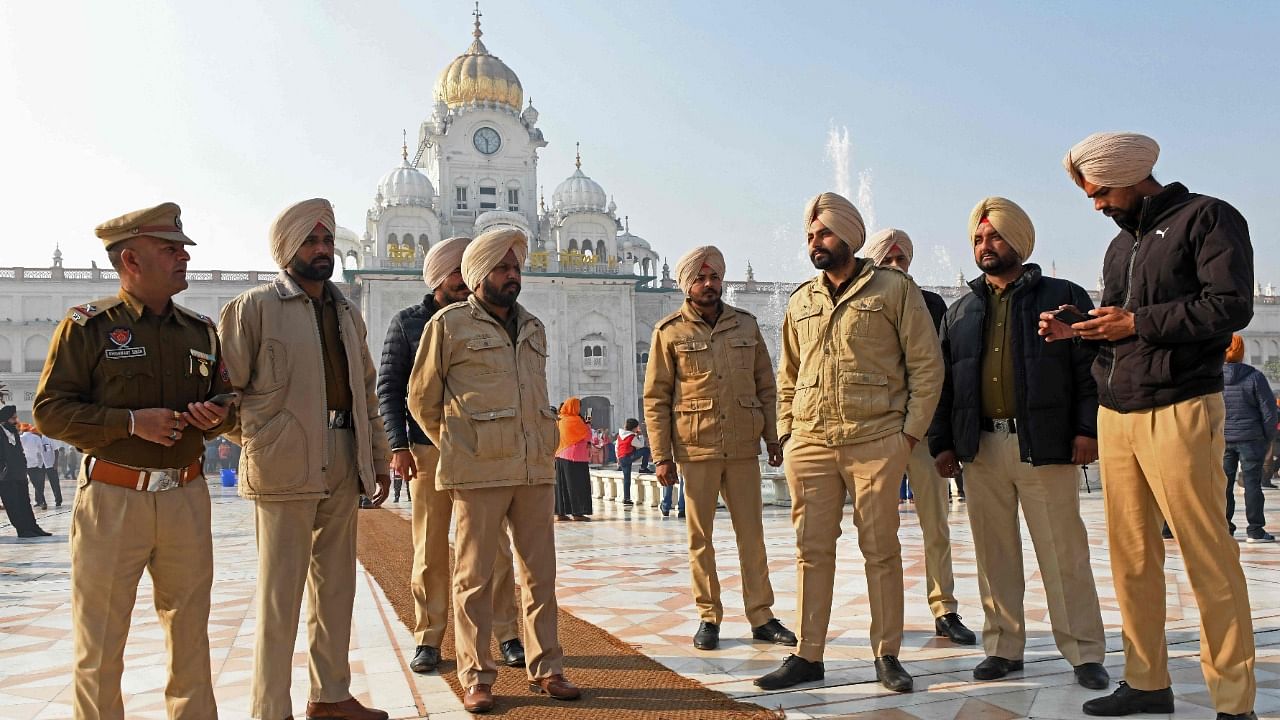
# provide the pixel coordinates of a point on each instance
(840, 216)
(291, 227)
(485, 252)
(691, 263)
(1009, 220)
(1112, 159)
(442, 259)
(880, 244)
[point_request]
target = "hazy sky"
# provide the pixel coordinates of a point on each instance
(708, 122)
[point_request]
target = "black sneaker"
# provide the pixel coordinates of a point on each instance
(425, 659)
(707, 637)
(1127, 701)
(1261, 537)
(774, 632)
(794, 670)
(892, 675)
(512, 652)
(950, 627)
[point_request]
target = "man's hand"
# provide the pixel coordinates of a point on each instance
(1084, 450)
(911, 442)
(204, 415)
(403, 464)
(384, 489)
(1109, 323)
(666, 472)
(1052, 329)
(775, 453)
(161, 426)
(946, 464)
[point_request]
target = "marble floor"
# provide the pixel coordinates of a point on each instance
(627, 572)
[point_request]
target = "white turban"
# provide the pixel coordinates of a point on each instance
(1112, 159)
(839, 215)
(485, 252)
(292, 226)
(1011, 221)
(442, 259)
(691, 263)
(880, 244)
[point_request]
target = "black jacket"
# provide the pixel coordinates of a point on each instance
(1251, 406)
(1056, 397)
(936, 305)
(398, 351)
(1186, 273)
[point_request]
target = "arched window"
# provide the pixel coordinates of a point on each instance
(573, 245)
(34, 352)
(593, 357)
(391, 239)
(6, 355)
(422, 242)
(600, 249)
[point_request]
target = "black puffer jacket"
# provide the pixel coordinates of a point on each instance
(1057, 398)
(398, 351)
(1186, 273)
(1251, 406)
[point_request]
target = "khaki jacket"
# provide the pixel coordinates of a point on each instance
(709, 392)
(274, 357)
(483, 402)
(861, 366)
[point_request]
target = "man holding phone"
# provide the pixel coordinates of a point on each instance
(1021, 415)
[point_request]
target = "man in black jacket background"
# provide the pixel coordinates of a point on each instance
(414, 458)
(1177, 282)
(1020, 414)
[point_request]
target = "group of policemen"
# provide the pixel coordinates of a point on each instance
(874, 380)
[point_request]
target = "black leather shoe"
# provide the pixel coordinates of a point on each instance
(707, 637)
(512, 652)
(995, 667)
(950, 627)
(1093, 676)
(794, 670)
(892, 675)
(1127, 701)
(425, 659)
(1251, 715)
(774, 632)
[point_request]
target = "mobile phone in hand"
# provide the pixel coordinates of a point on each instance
(223, 399)
(1070, 316)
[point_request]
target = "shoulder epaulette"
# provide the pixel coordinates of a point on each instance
(744, 311)
(81, 314)
(667, 320)
(804, 284)
(198, 316)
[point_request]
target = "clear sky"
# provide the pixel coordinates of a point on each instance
(708, 122)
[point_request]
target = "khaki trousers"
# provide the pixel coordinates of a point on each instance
(738, 481)
(997, 483)
(307, 544)
(819, 478)
(1167, 462)
(480, 512)
(930, 491)
(116, 532)
(430, 583)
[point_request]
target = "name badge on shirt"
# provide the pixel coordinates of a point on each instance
(121, 337)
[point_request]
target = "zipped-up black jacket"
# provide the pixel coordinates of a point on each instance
(398, 351)
(1186, 273)
(1056, 396)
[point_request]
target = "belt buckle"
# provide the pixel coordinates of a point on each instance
(1002, 425)
(162, 480)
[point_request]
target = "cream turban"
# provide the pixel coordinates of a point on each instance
(485, 252)
(839, 215)
(291, 227)
(1112, 159)
(879, 245)
(1009, 220)
(691, 262)
(442, 259)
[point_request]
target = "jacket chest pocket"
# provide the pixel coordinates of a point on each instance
(273, 367)
(486, 352)
(696, 422)
(693, 357)
(497, 433)
(804, 406)
(864, 317)
(131, 383)
(536, 356)
(863, 395)
(743, 353)
(808, 322)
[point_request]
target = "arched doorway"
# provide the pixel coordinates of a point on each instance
(599, 409)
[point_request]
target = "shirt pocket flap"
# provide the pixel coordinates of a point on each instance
(750, 402)
(538, 345)
(695, 404)
(806, 381)
(485, 343)
(549, 413)
(806, 311)
(864, 378)
(741, 342)
(691, 345)
(494, 414)
(870, 304)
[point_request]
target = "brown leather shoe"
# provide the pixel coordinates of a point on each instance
(478, 698)
(555, 686)
(349, 709)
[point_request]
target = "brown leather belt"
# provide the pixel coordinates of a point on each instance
(148, 479)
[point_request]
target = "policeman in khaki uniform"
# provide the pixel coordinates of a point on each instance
(128, 381)
(858, 379)
(709, 398)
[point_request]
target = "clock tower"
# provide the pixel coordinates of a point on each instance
(479, 147)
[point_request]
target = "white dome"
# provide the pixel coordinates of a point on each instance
(406, 186)
(580, 193)
(629, 241)
(501, 218)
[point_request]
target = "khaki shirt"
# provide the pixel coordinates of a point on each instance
(998, 398)
(860, 366)
(709, 392)
(114, 355)
(483, 400)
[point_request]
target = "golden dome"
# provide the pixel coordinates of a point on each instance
(476, 76)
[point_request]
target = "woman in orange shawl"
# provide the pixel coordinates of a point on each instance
(573, 475)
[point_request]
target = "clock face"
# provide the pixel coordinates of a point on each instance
(487, 140)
